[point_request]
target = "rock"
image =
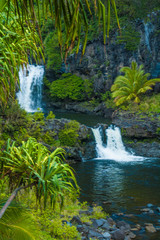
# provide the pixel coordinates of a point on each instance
(137, 228)
(157, 228)
(111, 221)
(120, 214)
(80, 228)
(107, 235)
(76, 220)
(97, 223)
(106, 226)
(158, 209)
(94, 234)
(118, 235)
(131, 235)
(149, 205)
(145, 210)
(150, 228)
(123, 226)
(87, 212)
(127, 238)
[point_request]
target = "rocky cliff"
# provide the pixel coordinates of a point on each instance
(101, 64)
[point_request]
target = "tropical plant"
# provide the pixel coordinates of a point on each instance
(33, 166)
(18, 32)
(17, 223)
(130, 86)
(15, 45)
(73, 13)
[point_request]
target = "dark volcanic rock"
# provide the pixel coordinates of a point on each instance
(85, 145)
(142, 132)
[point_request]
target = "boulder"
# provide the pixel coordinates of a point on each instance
(150, 228)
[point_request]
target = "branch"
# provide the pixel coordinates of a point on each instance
(10, 199)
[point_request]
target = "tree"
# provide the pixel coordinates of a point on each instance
(33, 166)
(18, 43)
(15, 46)
(130, 86)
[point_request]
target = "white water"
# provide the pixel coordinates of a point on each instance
(148, 28)
(30, 94)
(114, 149)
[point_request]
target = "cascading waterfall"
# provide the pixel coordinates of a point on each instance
(148, 28)
(114, 149)
(30, 94)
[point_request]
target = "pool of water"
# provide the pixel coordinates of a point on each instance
(125, 185)
(121, 187)
(89, 120)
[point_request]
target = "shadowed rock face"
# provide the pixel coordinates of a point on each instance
(102, 64)
(85, 144)
(141, 132)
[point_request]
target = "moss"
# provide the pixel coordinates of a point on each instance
(68, 136)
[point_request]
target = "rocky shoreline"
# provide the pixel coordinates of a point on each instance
(117, 227)
(140, 133)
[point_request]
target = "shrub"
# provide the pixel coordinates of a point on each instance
(50, 115)
(69, 135)
(70, 87)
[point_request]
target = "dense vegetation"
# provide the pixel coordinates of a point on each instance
(26, 164)
(134, 83)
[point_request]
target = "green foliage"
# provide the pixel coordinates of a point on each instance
(107, 98)
(148, 105)
(32, 164)
(132, 84)
(98, 212)
(15, 45)
(38, 116)
(50, 115)
(69, 135)
(52, 51)
(64, 231)
(70, 87)
(48, 138)
(17, 223)
(130, 37)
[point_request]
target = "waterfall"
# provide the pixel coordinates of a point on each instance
(114, 148)
(30, 94)
(148, 28)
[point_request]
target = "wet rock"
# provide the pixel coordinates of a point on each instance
(107, 235)
(106, 226)
(118, 235)
(98, 223)
(145, 210)
(127, 238)
(123, 226)
(136, 228)
(158, 209)
(150, 228)
(131, 235)
(149, 205)
(111, 221)
(94, 234)
(120, 214)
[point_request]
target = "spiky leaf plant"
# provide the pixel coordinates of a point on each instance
(32, 165)
(17, 223)
(132, 84)
(72, 13)
(15, 46)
